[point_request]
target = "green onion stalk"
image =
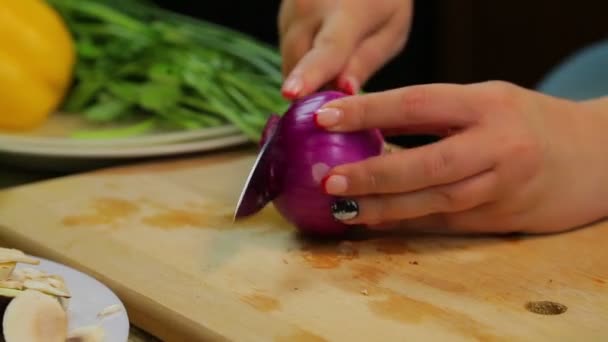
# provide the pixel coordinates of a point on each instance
(156, 70)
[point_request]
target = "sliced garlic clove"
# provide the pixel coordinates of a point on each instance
(32, 273)
(15, 255)
(108, 311)
(11, 284)
(44, 287)
(6, 269)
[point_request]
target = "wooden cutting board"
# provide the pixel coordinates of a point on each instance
(161, 236)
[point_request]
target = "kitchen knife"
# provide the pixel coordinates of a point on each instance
(258, 188)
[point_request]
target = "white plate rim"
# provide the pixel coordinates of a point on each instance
(127, 152)
(150, 139)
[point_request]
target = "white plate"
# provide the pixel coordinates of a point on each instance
(89, 297)
(61, 160)
(57, 132)
(116, 152)
(153, 139)
(51, 147)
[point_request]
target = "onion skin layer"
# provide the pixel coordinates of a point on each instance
(302, 154)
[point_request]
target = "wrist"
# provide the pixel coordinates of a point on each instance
(599, 104)
(596, 118)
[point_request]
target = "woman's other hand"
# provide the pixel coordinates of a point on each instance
(340, 43)
(515, 160)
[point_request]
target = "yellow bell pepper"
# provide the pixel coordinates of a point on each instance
(37, 56)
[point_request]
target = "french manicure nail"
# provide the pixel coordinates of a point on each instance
(345, 209)
(327, 117)
(292, 86)
(335, 184)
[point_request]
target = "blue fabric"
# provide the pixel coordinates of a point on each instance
(582, 76)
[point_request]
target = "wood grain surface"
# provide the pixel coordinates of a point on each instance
(161, 236)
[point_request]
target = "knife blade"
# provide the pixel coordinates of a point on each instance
(257, 191)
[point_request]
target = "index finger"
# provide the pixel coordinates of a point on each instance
(448, 161)
(331, 49)
(434, 105)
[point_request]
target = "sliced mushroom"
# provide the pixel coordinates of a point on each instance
(6, 295)
(33, 303)
(34, 317)
(15, 255)
(65, 302)
(109, 310)
(11, 284)
(44, 287)
(32, 273)
(6, 269)
(56, 283)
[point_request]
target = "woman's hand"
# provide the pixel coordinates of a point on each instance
(515, 160)
(339, 42)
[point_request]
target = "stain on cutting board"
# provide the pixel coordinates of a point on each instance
(372, 260)
(364, 261)
(209, 215)
(329, 256)
(392, 246)
(178, 218)
(262, 302)
(103, 211)
(368, 273)
(361, 267)
(411, 311)
(363, 264)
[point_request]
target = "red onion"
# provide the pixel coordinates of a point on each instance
(302, 154)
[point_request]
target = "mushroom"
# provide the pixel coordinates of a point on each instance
(35, 317)
(34, 304)
(6, 269)
(10, 255)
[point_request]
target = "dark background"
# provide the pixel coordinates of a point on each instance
(459, 41)
(452, 40)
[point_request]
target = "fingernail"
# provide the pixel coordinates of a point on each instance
(292, 87)
(334, 184)
(327, 117)
(345, 209)
(349, 85)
